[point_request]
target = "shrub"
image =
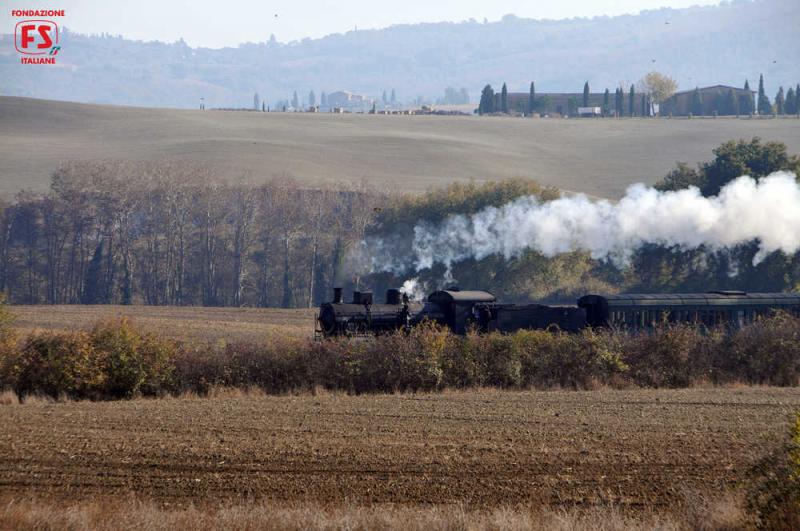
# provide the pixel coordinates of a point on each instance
(774, 495)
(765, 352)
(664, 357)
(552, 358)
(60, 364)
(8, 344)
(402, 361)
(134, 363)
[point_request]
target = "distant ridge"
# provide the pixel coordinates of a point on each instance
(699, 46)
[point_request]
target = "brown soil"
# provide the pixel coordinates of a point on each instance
(634, 449)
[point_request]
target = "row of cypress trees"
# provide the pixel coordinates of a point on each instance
(725, 103)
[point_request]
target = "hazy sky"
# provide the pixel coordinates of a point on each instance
(215, 23)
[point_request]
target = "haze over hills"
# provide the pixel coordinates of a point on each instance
(697, 46)
(405, 153)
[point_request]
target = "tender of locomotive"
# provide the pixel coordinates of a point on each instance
(462, 311)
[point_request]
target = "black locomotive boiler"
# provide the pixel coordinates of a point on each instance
(461, 311)
(458, 310)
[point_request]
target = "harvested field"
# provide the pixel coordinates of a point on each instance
(407, 153)
(639, 450)
(184, 323)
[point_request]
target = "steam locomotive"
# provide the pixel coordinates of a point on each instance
(461, 311)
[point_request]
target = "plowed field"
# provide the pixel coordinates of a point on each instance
(488, 448)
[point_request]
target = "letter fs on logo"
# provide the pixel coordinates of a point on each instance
(36, 37)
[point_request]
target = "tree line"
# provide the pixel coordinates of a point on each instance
(640, 99)
(169, 234)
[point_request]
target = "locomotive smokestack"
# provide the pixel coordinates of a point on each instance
(337, 295)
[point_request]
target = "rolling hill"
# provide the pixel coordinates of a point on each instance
(411, 153)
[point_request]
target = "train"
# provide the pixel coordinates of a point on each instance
(481, 312)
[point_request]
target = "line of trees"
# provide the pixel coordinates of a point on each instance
(642, 99)
(167, 234)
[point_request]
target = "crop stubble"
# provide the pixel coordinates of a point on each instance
(487, 448)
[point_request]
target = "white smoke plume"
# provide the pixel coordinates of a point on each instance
(765, 211)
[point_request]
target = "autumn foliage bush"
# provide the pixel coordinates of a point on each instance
(113, 360)
(116, 360)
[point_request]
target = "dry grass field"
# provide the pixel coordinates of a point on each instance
(411, 153)
(639, 452)
(183, 323)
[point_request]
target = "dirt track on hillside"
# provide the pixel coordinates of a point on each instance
(486, 448)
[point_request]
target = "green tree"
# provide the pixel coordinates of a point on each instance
(681, 177)
(764, 105)
(791, 102)
(797, 99)
(586, 94)
(312, 99)
(93, 287)
(486, 105)
(644, 105)
(632, 101)
(295, 101)
(779, 102)
(746, 105)
(504, 99)
(697, 102)
(740, 157)
(606, 103)
(532, 100)
(618, 102)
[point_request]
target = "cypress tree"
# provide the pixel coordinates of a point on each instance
(632, 102)
(644, 105)
(504, 99)
(295, 100)
(486, 105)
(779, 101)
(746, 106)
(532, 100)
(619, 102)
(586, 94)
(791, 102)
(93, 289)
(764, 105)
(697, 102)
(606, 102)
(797, 99)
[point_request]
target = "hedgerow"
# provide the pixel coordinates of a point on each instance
(116, 360)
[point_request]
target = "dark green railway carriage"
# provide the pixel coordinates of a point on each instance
(640, 311)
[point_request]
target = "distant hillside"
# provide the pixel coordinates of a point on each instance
(407, 153)
(697, 46)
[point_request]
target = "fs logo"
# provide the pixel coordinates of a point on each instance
(36, 37)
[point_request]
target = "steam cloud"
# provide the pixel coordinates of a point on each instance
(765, 211)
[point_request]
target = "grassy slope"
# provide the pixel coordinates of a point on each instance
(599, 157)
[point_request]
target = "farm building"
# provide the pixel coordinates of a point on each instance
(712, 99)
